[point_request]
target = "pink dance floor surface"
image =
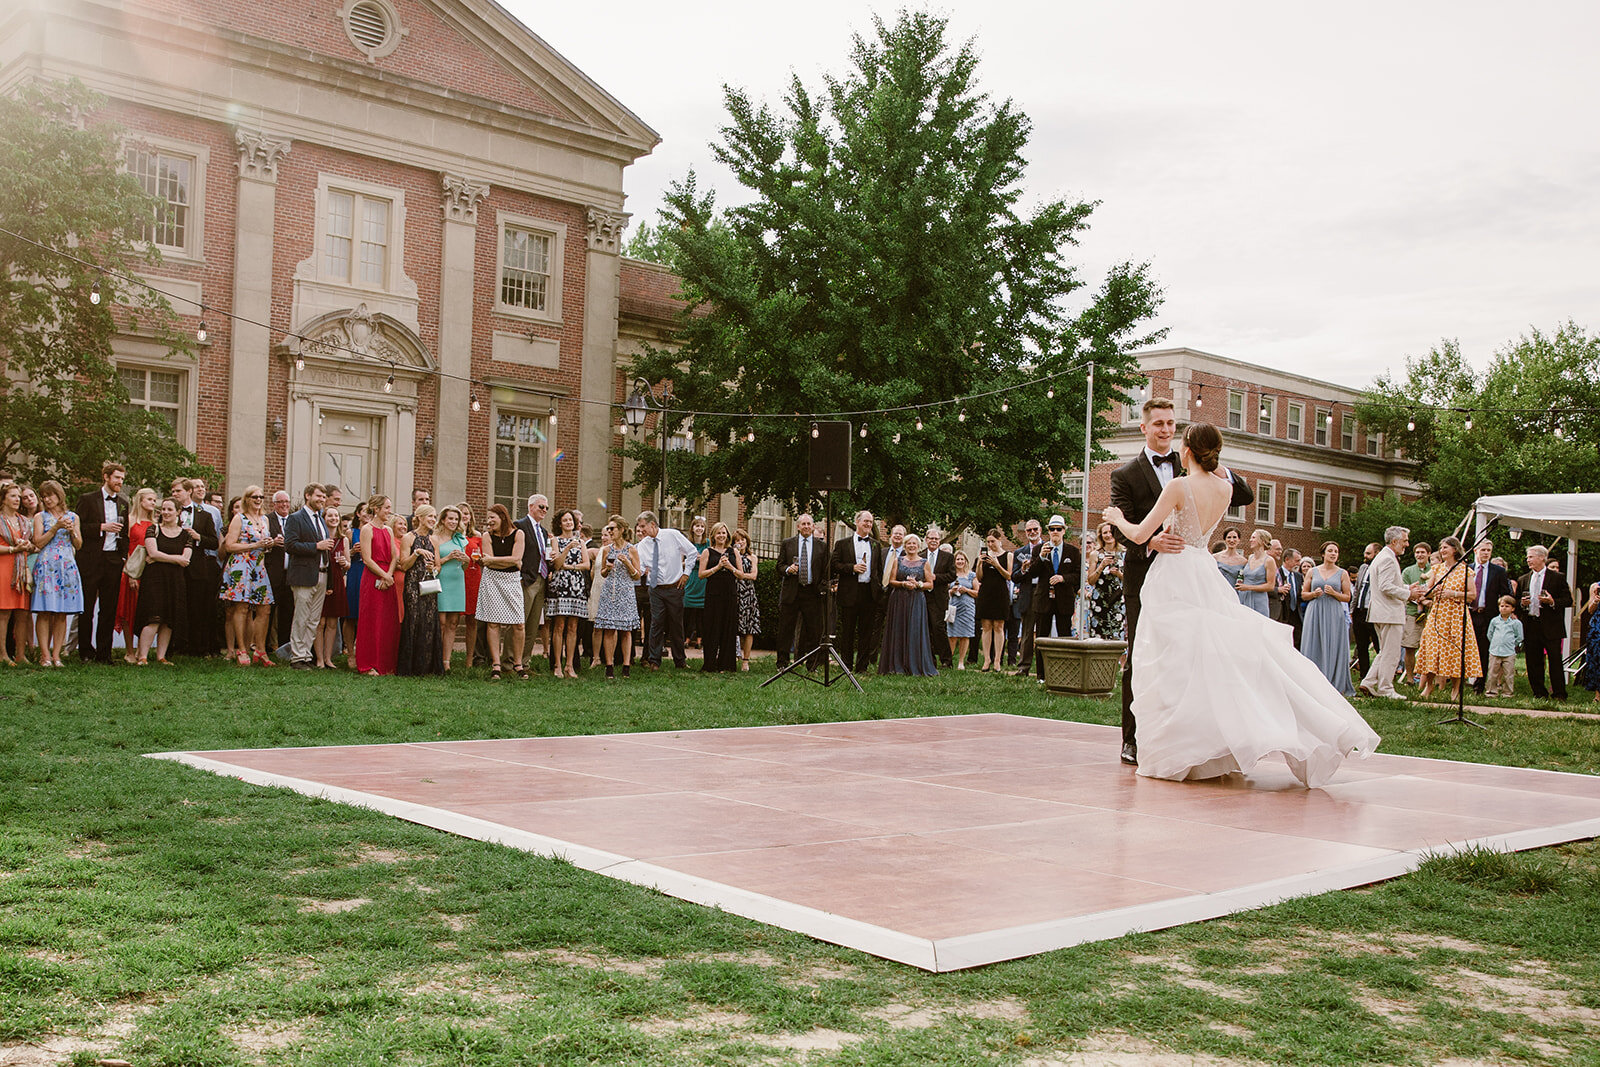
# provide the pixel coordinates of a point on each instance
(940, 842)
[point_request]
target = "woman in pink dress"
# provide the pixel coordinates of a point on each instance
(378, 630)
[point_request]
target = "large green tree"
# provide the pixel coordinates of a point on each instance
(884, 259)
(74, 220)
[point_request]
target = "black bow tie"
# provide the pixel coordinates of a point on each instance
(1170, 459)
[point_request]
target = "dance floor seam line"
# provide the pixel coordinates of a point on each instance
(1038, 839)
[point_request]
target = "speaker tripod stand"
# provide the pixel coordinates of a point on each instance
(830, 655)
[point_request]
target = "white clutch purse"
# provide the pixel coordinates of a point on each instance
(429, 587)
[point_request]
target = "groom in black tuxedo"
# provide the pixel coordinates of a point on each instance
(1134, 488)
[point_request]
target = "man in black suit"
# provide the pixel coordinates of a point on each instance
(1134, 488)
(103, 518)
(938, 594)
(277, 576)
(858, 568)
(1492, 583)
(535, 572)
(1056, 574)
(803, 560)
(309, 545)
(1366, 638)
(1542, 607)
(201, 577)
(1289, 590)
(1026, 605)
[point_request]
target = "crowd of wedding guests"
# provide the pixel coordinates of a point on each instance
(267, 581)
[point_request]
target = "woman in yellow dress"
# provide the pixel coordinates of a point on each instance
(1439, 655)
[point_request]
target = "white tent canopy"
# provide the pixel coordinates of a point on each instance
(1571, 515)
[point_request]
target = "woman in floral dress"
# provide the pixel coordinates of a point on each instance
(1439, 654)
(57, 585)
(1105, 586)
(618, 612)
(566, 601)
(749, 606)
(245, 585)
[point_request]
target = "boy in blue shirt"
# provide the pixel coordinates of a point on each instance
(1505, 637)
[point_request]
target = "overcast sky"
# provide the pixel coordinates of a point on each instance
(1323, 189)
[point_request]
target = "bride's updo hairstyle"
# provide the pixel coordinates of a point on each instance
(1204, 442)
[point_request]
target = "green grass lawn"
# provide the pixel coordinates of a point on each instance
(162, 915)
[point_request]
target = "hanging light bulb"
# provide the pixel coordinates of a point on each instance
(476, 406)
(1199, 397)
(1411, 424)
(1050, 393)
(299, 362)
(815, 433)
(750, 437)
(863, 433)
(1469, 422)
(94, 293)
(388, 385)
(1558, 429)
(896, 438)
(553, 416)
(963, 416)
(202, 333)
(1005, 406)
(919, 422)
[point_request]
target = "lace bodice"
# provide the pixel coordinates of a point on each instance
(1185, 522)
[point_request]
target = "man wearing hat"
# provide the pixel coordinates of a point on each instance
(1057, 574)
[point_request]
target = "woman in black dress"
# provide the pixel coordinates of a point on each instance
(906, 645)
(420, 652)
(719, 566)
(994, 598)
(163, 593)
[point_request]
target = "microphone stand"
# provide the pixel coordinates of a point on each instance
(1460, 716)
(829, 655)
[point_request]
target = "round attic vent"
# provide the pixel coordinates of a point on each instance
(373, 27)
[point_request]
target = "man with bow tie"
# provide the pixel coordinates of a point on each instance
(103, 518)
(201, 578)
(858, 568)
(1134, 488)
(309, 545)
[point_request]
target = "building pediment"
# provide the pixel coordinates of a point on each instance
(369, 339)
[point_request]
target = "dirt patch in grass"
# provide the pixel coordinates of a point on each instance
(703, 1022)
(1518, 994)
(373, 854)
(265, 1037)
(568, 958)
(332, 907)
(1188, 975)
(920, 1017)
(57, 1049)
(1123, 1050)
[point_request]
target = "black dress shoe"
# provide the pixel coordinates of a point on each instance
(1130, 754)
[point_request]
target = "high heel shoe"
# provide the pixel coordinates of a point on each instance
(261, 659)
(243, 658)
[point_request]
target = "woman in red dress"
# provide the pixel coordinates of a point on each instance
(474, 575)
(141, 516)
(378, 630)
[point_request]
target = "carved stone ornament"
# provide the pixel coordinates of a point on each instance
(461, 196)
(359, 335)
(605, 230)
(259, 155)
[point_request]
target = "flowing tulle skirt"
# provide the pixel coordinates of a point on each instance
(1220, 687)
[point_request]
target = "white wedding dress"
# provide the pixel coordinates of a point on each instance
(1219, 687)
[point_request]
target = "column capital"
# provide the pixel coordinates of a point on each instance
(461, 196)
(259, 155)
(605, 230)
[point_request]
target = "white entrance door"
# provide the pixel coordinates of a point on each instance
(351, 445)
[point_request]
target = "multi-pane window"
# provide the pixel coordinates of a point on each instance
(525, 269)
(1265, 414)
(766, 528)
(1372, 443)
(1319, 509)
(1291, 505)
(1347, 506)
(1320, 425)
(167, 178)
(1347, 433)
(519, 448)
(1236, 514)
(1072, 488)
(1264, 503)
(1296, 415)
(1133, 408)
(356, 249)
(156, 391)
(1235, 410)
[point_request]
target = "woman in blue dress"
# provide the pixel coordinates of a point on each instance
(352, 583)
(1259, 575)
(1325, 634)
(906, 646)
(963, 626)
(57, 585)
(1230, 561)
(450, 549)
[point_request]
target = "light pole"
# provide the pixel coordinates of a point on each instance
(635, 409)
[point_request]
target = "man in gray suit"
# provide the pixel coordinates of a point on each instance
(1386, 611)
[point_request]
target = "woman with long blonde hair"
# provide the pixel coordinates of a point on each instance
(143, 513)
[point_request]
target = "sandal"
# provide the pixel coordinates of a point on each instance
(261, 659)
(243, 659)
(522, 672)
(494, 673)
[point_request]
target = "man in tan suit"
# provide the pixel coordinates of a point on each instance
(1386, 611)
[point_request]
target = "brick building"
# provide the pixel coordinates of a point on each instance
(1295, 439)
(399, 221)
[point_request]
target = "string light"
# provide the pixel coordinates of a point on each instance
(94, 293)
(919, 422)
(299, 362)
(476, 406)
(1005, 406)
(963, 416)
(1411, 424)
(815, 432)
(750, 438)
(388, 385)
(863, 433)
(552, 415)
(1050, 393)
(201, 334)
(897, 438)
(1469, 420)
(1199, 397)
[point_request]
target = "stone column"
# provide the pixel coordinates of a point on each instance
(596, 424)
(252, 300)
(456, 269)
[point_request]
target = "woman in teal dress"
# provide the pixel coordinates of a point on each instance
(694, 588)
(450, 548)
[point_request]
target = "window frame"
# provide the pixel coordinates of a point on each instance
(1267, 412)
(394, 276)
(1266, 497)
(1236, 514)
(1236, 403)
(1294, 415)
(1347, 506)
(193, 248)
(1133, 406)
(1294, 518)
(1321, 501)
(132, 353)
(1347, 433)
(1322, 427)
(557, 232)
(1374, 442)
(524, 405)
(768, 510)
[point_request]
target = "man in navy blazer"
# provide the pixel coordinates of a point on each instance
(309, 545)
(803, 561)
(1056, 574)
(1493, 583)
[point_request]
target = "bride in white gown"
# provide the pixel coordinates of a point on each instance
(1221, 687)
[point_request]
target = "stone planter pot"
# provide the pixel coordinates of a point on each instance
(1081, 667)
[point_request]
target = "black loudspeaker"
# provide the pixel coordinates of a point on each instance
(830, 455)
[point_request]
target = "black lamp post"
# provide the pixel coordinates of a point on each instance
(641, 401)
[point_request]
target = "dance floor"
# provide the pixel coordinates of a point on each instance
(940, 842)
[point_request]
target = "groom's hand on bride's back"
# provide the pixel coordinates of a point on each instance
(1167, 541)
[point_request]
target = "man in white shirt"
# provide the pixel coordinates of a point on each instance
(309, 545)
(666, 556)
(1386, 610)
(535, 571)
(858, 568)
